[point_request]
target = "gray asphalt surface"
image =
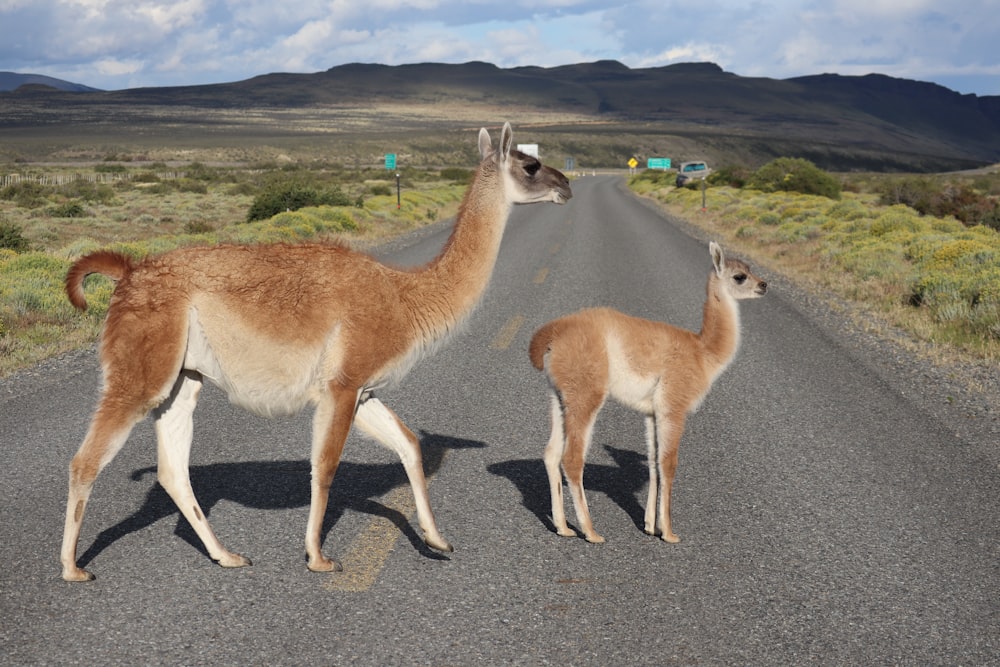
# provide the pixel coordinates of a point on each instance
(827, 515)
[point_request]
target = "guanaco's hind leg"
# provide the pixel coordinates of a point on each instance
(174, 426)
(382, 424)
(109, 429)
(553, 460)
(578, 421)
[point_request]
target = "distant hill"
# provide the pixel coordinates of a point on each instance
(12, 81)
(599, 112)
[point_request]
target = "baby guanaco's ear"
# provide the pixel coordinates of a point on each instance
(485, 145)
(718, 257)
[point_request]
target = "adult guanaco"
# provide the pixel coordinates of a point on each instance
(659, 370)
(279, 327)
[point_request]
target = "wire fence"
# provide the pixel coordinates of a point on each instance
(93, 177)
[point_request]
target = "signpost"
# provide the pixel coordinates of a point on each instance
(658, 163)
(390, 163)
(632, 164)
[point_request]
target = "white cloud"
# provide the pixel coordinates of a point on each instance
(112, 67)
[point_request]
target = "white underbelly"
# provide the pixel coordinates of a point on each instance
(257, 374)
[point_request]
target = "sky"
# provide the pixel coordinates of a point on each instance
(117, 44)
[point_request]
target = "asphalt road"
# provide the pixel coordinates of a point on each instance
(825, 515)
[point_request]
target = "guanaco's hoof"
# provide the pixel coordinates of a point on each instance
(325, 565)
(234, 560)
(77, 574)
(439, 544)
(594, 539)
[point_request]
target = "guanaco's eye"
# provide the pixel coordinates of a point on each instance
(532, 167)
(740, 278)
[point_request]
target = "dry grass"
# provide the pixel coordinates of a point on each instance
(869, 268)
(36, 321)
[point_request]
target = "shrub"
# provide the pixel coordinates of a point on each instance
(80, 188)
(281, 197)
(913, 191)
(12, 237)
(190, 185)
(197, 171)
(68, 210)
(794, 175)
(942, 199)
(197, 227)
(27, 194)
(735, 176)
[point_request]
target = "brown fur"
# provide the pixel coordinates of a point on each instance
(658, 369)
(278, 327)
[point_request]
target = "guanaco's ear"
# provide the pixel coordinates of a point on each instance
(718, 258)
(506, 139)
(485, 145)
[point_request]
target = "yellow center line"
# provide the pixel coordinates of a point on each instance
(370, 550)
(506, 335)
(542, 274)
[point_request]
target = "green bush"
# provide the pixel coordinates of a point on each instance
(941, 199)
(197, 227)
(794, 175)
(200, 172)
(27, 194)
(191, 185)
(281, 197)
(658, 177)
(12, 237)
(70, 209)
(735, 176)
(80, 188)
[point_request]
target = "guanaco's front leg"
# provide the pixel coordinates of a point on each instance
(379, 422)
(331, 424)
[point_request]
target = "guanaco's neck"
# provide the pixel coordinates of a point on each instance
(720, 328)
(447, 290)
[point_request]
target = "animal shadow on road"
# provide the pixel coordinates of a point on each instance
(275, 485)
(621, 483)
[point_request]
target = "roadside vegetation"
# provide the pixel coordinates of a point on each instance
(921, 253)
(50, 218)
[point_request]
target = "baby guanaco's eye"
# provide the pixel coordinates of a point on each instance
(740, 278)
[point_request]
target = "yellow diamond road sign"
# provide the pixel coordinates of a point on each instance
(632, 162)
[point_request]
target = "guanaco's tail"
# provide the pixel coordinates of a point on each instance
(114, 265)
(540, 343)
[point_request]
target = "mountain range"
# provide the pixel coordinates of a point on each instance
(599, 112)
(12, 81)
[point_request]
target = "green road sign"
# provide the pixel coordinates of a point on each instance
(390, 160)
(658, 163)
